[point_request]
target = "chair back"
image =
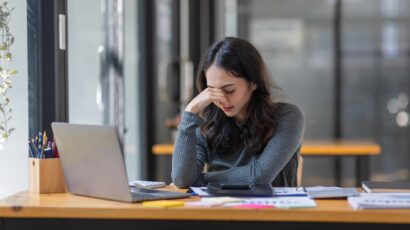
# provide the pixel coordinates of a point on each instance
(299, 171)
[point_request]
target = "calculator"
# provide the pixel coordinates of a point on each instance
(333, 193)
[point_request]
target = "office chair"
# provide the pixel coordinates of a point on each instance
(299, 171)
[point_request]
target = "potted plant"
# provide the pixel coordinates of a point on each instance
(6, 41)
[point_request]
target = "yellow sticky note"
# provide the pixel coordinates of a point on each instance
(163, 203)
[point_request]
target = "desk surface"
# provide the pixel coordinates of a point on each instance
(312, 148)
(64, 205)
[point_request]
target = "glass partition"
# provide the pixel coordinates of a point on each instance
(295, 39)
(86, 64)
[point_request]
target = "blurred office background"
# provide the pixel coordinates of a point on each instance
(132, 64)
(364, 96)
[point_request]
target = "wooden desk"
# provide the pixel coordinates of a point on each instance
(66, 211)
(360, 149)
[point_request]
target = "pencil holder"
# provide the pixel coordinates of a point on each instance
(46, 176)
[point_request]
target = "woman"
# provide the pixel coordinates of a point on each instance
(234, 125)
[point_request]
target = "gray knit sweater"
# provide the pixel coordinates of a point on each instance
(277, 164)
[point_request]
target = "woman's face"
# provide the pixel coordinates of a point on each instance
(237, 90)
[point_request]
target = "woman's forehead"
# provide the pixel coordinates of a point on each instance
(217, 77)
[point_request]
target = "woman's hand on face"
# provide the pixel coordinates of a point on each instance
(206, 97)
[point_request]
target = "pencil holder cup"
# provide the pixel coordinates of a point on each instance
(46, 176)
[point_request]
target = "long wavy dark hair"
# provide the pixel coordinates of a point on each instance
(241, 59)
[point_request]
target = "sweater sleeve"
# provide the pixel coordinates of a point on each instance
(190, 151)
(276, 154)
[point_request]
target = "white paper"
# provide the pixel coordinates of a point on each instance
(200, 191)
(213, 201)
(289, 191)
(379, 202)
(396, 195)
(222, 199)
(278, 202)
(203, 204)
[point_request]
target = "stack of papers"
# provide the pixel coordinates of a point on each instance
(279, 202)
(381, 201)
(275, 202)
(282, 197)
(277, 191)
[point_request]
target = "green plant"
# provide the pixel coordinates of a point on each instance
(6, 40)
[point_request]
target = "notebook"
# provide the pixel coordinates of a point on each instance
(379, 186)
(93, 164)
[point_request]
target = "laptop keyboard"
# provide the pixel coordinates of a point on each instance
(142, 193)
(141, 196)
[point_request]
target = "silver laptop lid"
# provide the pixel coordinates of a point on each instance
(92, 161)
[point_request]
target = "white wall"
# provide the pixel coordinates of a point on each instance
(14, 155)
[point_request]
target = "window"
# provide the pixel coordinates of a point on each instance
(13, 154)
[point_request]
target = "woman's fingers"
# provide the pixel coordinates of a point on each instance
(209, 95)
(215, 95)
(218, 97)
(219, 100)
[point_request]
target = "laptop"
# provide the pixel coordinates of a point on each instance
(93, 164)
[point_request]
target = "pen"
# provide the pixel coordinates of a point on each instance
(48, 153)
(40, 146)
(30, 151)
(55, 150)
(45, 140)
(33, 147)
(48, 150)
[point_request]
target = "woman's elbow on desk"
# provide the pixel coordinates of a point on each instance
(181, 181)
(181, 184)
